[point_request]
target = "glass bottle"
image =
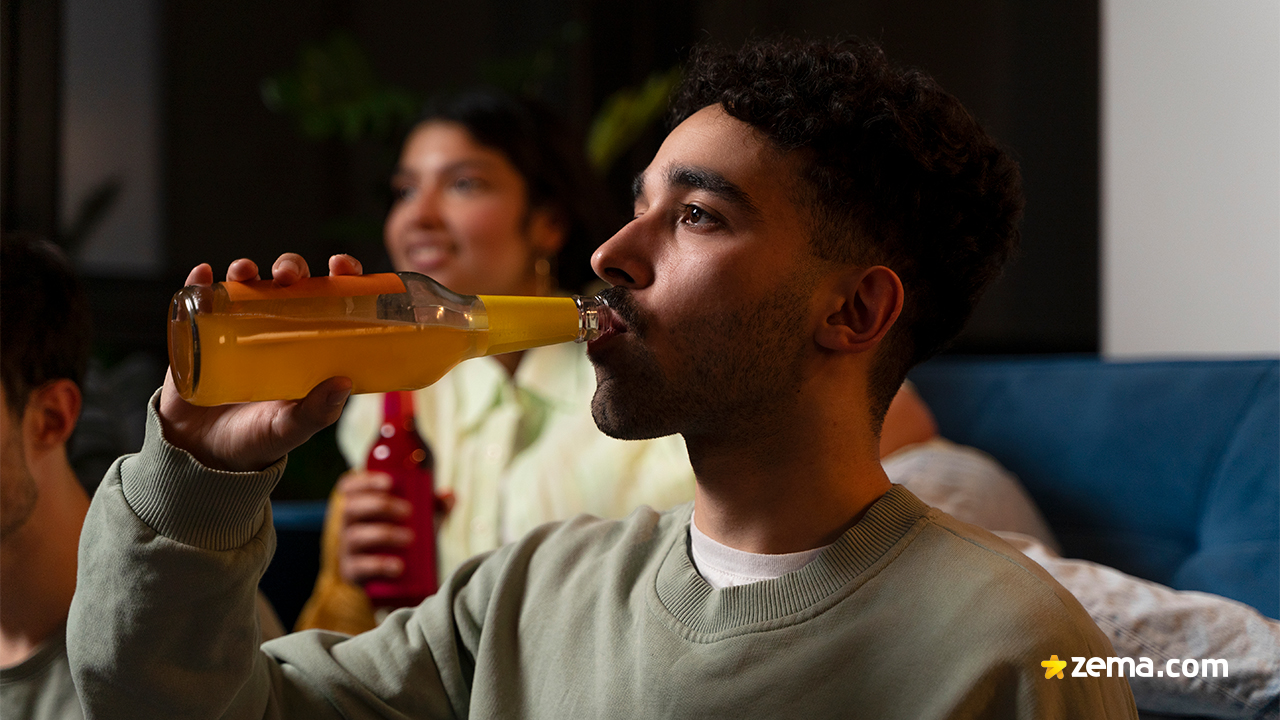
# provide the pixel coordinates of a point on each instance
(401, 453)
(241, 342)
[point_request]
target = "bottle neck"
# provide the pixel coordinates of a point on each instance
(515, 323)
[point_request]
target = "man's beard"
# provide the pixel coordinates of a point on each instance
(19, 492)
(736, 370)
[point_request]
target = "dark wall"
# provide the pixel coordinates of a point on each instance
(29, 46)
(239, 180)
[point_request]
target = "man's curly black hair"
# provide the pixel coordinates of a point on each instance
(895, 172)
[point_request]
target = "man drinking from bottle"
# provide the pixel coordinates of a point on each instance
(817, 222)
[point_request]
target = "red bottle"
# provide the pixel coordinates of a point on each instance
(402, 454)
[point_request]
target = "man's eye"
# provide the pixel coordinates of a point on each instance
(403, 192)
(694, 215)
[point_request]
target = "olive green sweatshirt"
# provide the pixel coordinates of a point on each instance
(910, 614)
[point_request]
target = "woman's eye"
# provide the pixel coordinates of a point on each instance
(467, 184)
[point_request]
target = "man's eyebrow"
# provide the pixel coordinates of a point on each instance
(701, 179)
(712, 182)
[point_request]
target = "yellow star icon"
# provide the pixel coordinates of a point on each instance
(1054, 665)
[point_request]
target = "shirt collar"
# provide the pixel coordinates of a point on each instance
(550, 374)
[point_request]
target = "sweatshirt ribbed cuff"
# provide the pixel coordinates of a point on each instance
(181, 499)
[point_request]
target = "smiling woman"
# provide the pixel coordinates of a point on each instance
(462, 216)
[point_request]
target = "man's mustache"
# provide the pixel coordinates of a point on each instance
(620, 300)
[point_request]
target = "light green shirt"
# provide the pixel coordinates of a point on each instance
(910, 615)
(520, 451)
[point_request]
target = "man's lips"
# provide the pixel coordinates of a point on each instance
(611, 326)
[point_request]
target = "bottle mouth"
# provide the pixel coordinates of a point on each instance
(594, 317)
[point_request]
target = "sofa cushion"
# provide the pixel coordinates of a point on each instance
(1165, 470)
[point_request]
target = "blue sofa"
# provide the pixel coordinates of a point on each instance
(1169, 471)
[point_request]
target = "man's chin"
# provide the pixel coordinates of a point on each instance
(625, 421)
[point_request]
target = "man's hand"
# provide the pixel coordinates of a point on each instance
(372, 525)
(252, 436)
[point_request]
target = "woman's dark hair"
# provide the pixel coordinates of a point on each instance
(895, 172)
(550, 159)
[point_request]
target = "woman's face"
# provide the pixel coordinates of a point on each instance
(461, 215)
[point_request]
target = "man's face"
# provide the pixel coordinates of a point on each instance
(714, 279)
(17, 486)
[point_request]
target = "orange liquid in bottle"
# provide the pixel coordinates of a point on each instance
(262, 358)
(265, 343)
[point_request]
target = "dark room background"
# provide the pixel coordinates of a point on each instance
(240, 173)
(240, 159)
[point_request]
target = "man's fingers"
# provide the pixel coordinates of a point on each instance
(201, 274)
(322, 406)
(289, 268)
(242, 270)
(344, 265)
(295, 423)
(324, 403)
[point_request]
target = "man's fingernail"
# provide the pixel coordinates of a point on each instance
(337, 397)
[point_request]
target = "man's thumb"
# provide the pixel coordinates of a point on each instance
(321, 407)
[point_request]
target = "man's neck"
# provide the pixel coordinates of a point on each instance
(38, 568)
(796, 487)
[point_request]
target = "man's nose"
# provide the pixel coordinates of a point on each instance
(624, 259)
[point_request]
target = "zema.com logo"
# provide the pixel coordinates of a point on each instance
(1128, 667)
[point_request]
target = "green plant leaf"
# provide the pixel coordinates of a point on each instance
(626, 115)
(334, 92)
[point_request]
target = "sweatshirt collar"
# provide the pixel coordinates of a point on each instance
(689, 603)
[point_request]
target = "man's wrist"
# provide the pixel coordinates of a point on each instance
(176, 495)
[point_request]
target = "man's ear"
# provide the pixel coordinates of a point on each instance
(865, 305)
(51, 414)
